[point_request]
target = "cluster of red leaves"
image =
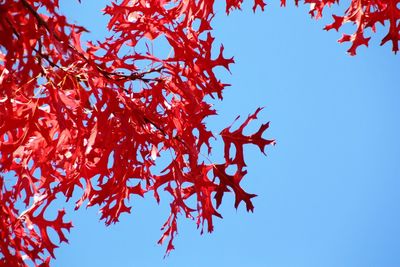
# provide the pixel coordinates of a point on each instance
(90, 118)
(364, 14)
(97, 116)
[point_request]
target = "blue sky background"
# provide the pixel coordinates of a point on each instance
(328, 192)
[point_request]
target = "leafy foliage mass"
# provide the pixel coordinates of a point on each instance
(96, 117)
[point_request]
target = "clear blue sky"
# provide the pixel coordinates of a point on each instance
(328, 192)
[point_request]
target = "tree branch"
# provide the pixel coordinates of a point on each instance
(108, 75)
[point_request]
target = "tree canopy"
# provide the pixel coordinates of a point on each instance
(98, 115)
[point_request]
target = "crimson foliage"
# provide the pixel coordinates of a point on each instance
(97, 117)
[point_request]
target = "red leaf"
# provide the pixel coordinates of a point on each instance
(238, 139)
